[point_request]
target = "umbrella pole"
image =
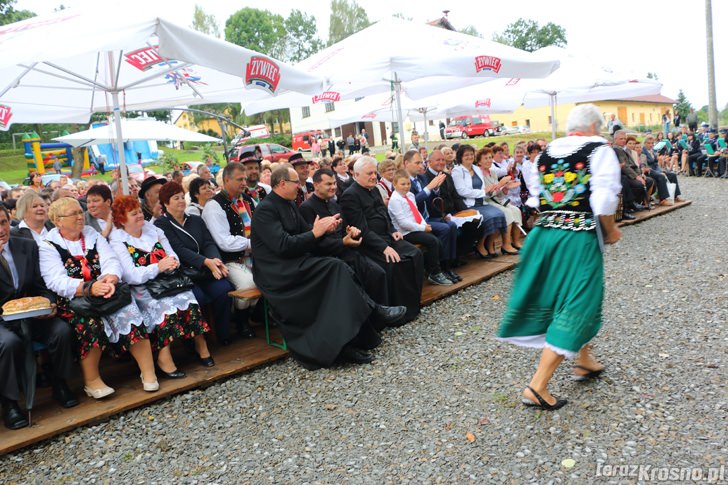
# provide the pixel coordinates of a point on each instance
(552, 98)
(427, 134)
(397, 86)
(123, 174)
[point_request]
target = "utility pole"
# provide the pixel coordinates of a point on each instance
(712, 102)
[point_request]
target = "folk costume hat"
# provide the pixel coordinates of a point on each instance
(150, 182)
(297, 158)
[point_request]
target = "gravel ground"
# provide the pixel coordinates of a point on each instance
(441, 402)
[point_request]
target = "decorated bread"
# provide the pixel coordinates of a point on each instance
(25, 304)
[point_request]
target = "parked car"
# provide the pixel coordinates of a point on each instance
(270, 151)
(302, 141)
(470, 126)
(139, 173)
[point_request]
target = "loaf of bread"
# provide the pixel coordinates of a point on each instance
(25, 304)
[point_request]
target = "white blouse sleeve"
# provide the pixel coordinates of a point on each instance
(54, 273)
(533, 182)
(402, 217)
(217, 223)
(605, 182)
(110, 264)
(464, 184)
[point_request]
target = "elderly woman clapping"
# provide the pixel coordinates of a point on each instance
(75, 259)
(145, 255)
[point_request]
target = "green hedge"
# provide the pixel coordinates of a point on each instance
(285, 140)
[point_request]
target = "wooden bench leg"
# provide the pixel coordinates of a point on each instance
(283, 345)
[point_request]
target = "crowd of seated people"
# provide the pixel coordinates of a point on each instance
(371, 231)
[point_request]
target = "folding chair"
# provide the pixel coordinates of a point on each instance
(712, 157)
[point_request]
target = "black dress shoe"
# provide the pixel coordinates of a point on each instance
(175, 374)
(637, 206)
(452, 276)
(207, 361)
(388, 315)
(628, 217)
(355, 356)
(63, 394)
(245, 331)
(13, 416)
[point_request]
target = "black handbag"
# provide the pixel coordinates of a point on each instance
(201, 275)
(98, 306)
(168, 284)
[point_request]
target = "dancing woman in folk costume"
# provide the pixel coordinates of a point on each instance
(556, 302)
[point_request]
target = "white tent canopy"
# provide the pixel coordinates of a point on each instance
(134, 129)
(65, 66)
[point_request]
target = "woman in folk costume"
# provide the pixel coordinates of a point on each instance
(556, 302)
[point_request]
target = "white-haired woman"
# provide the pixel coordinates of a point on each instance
(556, 300)
(32, 211)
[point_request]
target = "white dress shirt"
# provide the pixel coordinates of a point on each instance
(402, 218)
(51, 265)
(38, 237)
(464, 184)
(216, 221)
(150, 235)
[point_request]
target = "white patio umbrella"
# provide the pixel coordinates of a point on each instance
(374, 61)
(134, 129)
(65, 66)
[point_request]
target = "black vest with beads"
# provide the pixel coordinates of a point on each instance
(234, 221)
(565, 189)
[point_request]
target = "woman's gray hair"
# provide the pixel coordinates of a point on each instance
(363, 162)
(25, 203)
(582, 117)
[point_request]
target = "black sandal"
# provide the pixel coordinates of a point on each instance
(591, 374)
(560, 403)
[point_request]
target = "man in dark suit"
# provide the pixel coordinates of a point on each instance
(343, 243)
(20, 277)
(362, 207)
(425, 190)
(445, 201)
(635, 187)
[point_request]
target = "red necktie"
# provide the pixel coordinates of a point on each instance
(415, 212)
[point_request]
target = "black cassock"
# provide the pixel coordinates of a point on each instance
(365, 209)
(371, 276)
(320, 305)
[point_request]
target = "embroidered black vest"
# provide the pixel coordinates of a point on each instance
(144, 258)
(257, 194)
(234, 221)
(565, 189)
(73, 265)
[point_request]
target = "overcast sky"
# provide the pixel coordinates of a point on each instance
(662, 36)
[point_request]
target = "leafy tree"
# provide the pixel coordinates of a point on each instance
(301, 38)
(682, 105)
(205, 23)
(8, 14)
(471, 30)
(347, 18)
(258, 30)
(528, 35)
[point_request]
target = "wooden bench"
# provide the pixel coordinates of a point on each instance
(254, 294)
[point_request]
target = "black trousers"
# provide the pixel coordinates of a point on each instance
(628, 197)
(699, 160)
(54, 333)
(404, 279)
(638, 191)
(432, 246)
(661, 179)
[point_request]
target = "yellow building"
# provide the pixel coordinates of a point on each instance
(186, 121)
(634, 113)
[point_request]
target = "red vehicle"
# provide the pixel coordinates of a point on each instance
(270, 151)
(302, 141)
(471, 125)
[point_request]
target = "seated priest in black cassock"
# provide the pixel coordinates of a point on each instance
(344, 242)
(362, 207)
(321, 310)
(20, 277)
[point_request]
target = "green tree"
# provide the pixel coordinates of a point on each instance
(347, 18)
(528, 35)
(8, 14)
(682, 105)
(471, 30)
(259, 30)
(301, 36)
(205, 23)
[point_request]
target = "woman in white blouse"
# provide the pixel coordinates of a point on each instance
(145, 252)
(200, 191)
(32, 211)
(497, 193)
(469, 184)
(71, 255)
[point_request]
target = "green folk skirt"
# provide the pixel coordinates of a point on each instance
(557, 295)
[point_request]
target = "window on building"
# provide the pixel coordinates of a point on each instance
(306, 112)
(549, 120)
(329, 107)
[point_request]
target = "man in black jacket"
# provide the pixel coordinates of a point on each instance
(362, 207)
(344, 242)
(20, 277)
